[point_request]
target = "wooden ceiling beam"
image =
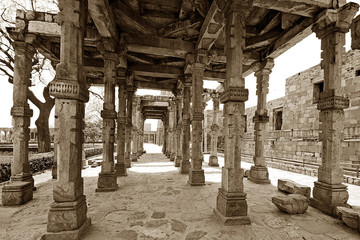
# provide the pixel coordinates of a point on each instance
(158, 46)
(158, 71)
(130, 21)
(101, 13)
(306, 8)
(211, 28)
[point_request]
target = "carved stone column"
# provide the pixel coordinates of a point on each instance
(196, 174)
(54, 167)
(121, 124)
(259, 172)
(20, 189)
(329, 192)
(185, 163)
(107, 178)
(141, 142)
(135, 133)
(67, 216)
(129, 105)
(179, 100)
(213, 160)
(172, 130)
(165, 144)
(231, 205)
(205, 123)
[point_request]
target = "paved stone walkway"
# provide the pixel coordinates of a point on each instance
(155, 202)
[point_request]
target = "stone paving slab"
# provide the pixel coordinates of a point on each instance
(155, 202)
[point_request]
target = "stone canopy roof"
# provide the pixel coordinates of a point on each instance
(160, 37)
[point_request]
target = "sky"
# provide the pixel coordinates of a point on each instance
(299, 58)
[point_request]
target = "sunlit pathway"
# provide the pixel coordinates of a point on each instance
(155, 202)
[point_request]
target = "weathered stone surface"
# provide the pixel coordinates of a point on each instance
(195, 235)
(178, 226)
(158, 215)
(292, 203)
(350, 217)
(155, 223)
(289, 186)
(17, 193)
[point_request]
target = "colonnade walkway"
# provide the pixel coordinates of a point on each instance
(155, 202)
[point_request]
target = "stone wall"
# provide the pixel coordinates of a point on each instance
(298, 139)
(40, 162)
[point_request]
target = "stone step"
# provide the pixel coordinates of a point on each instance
(290, 186)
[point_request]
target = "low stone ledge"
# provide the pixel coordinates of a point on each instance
(292, 203)
(289, 186)
(350, 217)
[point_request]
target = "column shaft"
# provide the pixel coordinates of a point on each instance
(196, 174)
(231, 205)
(121, 121)
(178, 129)
(259, 172)
(20, 189)
(172, 130)
(213, 160)
(107, 177)
(329, 192)
(185, 163)
(129, 105)
(67, 216)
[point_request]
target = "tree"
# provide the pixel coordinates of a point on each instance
(40, 65)
(93, 120)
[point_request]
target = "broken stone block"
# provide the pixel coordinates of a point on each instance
(350, 217)
(292, 203)
(289, 186)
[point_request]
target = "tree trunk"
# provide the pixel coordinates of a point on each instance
(43, 131)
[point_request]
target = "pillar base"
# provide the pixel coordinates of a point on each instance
(134, 157)
(68, 235)
(328, 197)
(231, 208)
(178, 161)
(17, 193)
(120, 170)
(259, 174)
(67, 217)
(196, 177)
(172, 157)
(54, 172)
(127, 163)
(213, 161)
(107, 182)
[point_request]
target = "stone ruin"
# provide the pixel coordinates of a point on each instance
(172, 46)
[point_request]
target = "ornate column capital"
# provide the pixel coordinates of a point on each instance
(200, 58)
(335, 20)
(355, 33)
(263, 67)
(258, 118)
(234, 94)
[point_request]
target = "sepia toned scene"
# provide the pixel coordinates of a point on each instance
(180, 119)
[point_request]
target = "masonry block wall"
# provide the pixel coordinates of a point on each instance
(294, 119)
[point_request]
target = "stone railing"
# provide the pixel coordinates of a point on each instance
(39, 162)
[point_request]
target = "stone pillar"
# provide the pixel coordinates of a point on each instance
(134, 130)
(205, 123)
(213, 160)
(20, 189)
(231, 205)
(179, 100)
(259, 172)
(196, 173)
(329, 192)
(164, 149)
(107, 178)
(185, 163)
(54, 166)
(67, 216)
(172, 130)
(141, 133)
(129, 105)
(121, 124)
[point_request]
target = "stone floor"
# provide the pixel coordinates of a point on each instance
(155, 202)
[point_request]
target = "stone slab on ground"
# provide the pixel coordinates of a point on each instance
(292, 203)
(290, 186)
(350, 217)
